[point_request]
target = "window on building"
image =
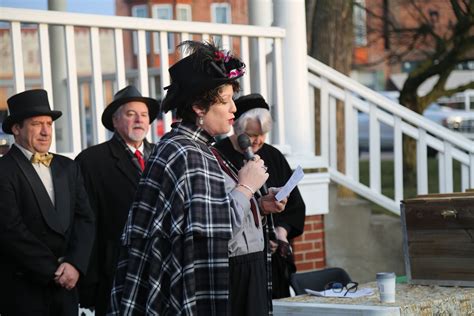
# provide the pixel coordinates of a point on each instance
(140, 11)
(183, 12)
(220, 13)
(360, 23)
(163, 12)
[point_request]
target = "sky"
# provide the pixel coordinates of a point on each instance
(106, 7)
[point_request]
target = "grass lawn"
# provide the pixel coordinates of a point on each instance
(387, 179)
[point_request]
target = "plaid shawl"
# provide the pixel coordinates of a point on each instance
(174, 254)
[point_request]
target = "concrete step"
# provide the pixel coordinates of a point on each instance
(359, 241)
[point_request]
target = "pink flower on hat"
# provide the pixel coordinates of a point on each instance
(235, 73)
(219, 55)
(222, 56)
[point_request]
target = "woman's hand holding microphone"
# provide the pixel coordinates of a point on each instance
(252, 176)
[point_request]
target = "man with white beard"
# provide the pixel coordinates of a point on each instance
(111, 173)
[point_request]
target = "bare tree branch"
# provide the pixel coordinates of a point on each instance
(436, 94)
(415, 32)
(457, 9)
(461, 88)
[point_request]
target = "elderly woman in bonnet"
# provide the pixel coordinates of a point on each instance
(189, 206)
(253, 118)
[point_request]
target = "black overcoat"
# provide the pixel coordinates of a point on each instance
(35, 234)
(111, 178)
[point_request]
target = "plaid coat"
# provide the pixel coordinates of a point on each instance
(174, 254)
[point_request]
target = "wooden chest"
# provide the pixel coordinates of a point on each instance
(438, 233)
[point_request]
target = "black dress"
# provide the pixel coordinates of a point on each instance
(292, 219)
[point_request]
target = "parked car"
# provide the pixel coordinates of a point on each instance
(4, 141)
(460, 121)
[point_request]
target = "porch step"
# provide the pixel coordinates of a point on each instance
(359, 241)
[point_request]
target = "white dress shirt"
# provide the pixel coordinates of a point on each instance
(140, 149)
(43, 172)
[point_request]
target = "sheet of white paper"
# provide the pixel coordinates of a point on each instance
(290, 184)
(331, 293)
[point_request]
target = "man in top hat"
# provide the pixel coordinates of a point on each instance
(254, 119)
(46, 223)
(111, 172)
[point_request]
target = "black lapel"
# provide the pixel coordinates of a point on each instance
(62, 193)
(44, 201)
(147, 149)
(124, 162)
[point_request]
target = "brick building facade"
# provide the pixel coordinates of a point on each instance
(230, 11)
(372, 43)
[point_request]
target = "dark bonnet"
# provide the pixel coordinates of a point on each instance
(249, 102)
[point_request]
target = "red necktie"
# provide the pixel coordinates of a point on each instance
(140, 159)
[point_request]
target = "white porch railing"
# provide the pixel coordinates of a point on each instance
(238, 38)
(334, 86)
(119, 51)
(261, 49)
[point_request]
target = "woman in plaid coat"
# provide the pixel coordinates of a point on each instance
(188, 232)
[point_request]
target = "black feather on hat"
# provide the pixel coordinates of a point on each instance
(249, 102)
(204, 69)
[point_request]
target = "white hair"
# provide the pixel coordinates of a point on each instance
(118, 111)
(261, 115)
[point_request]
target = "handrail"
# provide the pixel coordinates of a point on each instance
(356, 98)
(134, 23)
(389, 105)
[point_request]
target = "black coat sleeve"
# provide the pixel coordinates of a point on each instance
(89, 283)
(17, 242)
(83, 230)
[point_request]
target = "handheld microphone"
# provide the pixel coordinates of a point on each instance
(246, 146)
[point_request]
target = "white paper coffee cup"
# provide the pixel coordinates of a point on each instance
(386, 285)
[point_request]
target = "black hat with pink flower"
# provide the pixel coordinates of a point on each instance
(207, 67)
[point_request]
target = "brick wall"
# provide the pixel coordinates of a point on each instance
(309, 248)
(201, 12)
(403, 11)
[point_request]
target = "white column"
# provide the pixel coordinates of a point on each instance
(290, 15)
(58, 75)
(260, 13)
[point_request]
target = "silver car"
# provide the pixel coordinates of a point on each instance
(4, 141)
(460, 121)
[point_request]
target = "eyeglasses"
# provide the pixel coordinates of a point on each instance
(338, 287)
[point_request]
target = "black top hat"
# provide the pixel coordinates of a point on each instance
(248, 102)
(128, 94)
(28, 104)
(204, 69)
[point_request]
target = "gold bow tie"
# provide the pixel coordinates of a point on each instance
(45, 159)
